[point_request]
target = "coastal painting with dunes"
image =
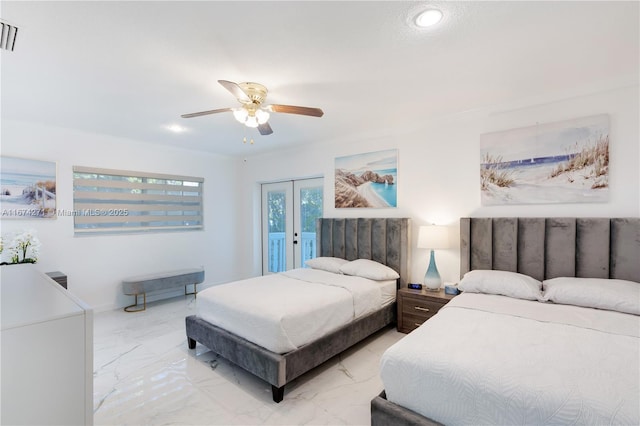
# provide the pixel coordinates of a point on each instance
(367, 180)
(562, 162)
(27, 188)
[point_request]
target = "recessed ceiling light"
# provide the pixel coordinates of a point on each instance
(176, 128)
(428, 18)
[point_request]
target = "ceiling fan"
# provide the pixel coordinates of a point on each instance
(252, 112)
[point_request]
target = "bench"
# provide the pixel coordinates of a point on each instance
(142, 284)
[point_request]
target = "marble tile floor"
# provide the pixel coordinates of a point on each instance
(144, 374)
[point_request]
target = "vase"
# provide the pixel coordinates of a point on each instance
(432, 280)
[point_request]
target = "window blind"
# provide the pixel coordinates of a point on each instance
(117, 201)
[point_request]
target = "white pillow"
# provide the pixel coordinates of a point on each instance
(599, 293)
(366, 268)
(330, 264)
(504, 283)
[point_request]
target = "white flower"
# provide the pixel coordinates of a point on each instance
(25, 247)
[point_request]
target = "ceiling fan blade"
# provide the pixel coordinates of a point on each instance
(235, 90)
(198, 114)
(265, 129)
(291, 109)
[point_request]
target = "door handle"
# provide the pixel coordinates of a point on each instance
(295, 241)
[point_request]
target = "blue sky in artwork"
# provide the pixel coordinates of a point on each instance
(27, 166)
(543, 140)
(379, 160)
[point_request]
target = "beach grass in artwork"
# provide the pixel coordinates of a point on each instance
(564, 162)
(27, 188)
(494, 173)
(593, 159)
(367, 180)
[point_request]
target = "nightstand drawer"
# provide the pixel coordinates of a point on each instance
(417, 306)
(411, 322)
(420, 307)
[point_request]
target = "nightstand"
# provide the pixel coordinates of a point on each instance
(417, 306)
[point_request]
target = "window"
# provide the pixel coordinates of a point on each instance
(117, 201)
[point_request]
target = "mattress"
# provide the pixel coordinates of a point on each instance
(488, 359)
(282, 312)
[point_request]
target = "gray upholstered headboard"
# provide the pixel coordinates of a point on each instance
(546, 248)
(385, 240)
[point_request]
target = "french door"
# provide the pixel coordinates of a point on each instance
(289, 213)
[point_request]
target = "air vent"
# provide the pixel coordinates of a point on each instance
(9, 34)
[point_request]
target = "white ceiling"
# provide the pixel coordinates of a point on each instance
(129, 69)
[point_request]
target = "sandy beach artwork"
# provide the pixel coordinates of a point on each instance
(367, 180)
(562, 162)
(27, 188)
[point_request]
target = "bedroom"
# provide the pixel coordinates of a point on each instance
(65, 103)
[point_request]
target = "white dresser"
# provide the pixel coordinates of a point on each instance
(47, 351)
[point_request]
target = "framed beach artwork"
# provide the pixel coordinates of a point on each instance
(367, 180)
(27, 188)
(562, 162)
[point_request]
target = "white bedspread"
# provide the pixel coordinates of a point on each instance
(487, 359)
(282, 312)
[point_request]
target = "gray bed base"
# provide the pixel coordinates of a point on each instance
(385, 413)
(280, 369)
(543, 248)
(385, 240)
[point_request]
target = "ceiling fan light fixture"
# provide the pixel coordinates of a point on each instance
(262, 116)
(428, 18)
(241, 114)
(253, 112)
(252, 121)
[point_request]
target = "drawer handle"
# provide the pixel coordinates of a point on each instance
(420, 308)
(418, 324)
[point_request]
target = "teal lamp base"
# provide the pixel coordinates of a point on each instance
(432, 280)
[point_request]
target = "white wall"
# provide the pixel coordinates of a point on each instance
(438, 182)
(96, 265)
(438, 179)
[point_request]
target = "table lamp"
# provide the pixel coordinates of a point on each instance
(433, 237)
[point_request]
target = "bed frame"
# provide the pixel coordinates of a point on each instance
(542, 248)
(385, 240)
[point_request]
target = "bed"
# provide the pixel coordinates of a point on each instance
(382, 240)
(547, 331)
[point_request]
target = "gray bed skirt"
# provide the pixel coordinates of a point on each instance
(385, 413)
(279, 369)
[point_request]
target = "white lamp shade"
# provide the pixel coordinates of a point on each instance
(240, 114)
(262, 116)
(433, 237)
(252, 121)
